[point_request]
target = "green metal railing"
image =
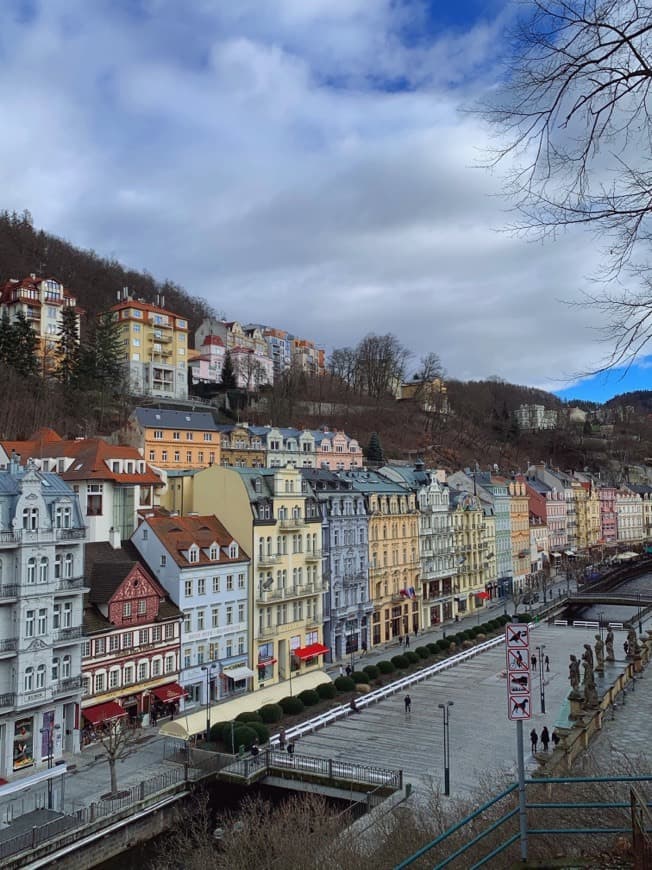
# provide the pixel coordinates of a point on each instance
(625, 806)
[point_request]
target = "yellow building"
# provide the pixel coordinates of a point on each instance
(173, 439)
(587, 513)
(519, 514)
(276, 517)
(394, 566)
(155, 347)
(242, 448)
(474, 544)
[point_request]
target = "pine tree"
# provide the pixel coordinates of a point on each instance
(23, 347)
(228, 373)
(6, 338)
(68, 353)
(375, 454)
(108, 355)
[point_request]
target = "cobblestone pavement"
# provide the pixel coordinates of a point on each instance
(482, 739)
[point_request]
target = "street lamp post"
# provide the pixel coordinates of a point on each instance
(640, 621)
(601, 623)
(48, 732)
(445, 708)
(542, 688)
(208, 669)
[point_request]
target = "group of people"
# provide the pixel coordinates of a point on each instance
(544, 737)
(284, 744)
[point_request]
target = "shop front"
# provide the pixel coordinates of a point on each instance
(309, 656)
(234, 679)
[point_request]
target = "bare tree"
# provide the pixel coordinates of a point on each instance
(381, 363)
(574, 115)
(117, 739)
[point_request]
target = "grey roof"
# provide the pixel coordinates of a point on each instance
(53, 488)
(370, 482)
(153, 417)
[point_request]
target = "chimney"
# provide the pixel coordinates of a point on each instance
(14, 462)
(114, 538)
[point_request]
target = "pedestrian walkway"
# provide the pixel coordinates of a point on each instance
(482, 739)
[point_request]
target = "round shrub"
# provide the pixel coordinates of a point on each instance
(475, 631)
(262, 731)
(359, 677)
(459, 638)
(309, 697)
(411, 656)
(248, 716)
(244, 735)
(480, 637)
(442, 644)
(344, 684)
(467, 644)
(371, 671)
(326, 690)
(363, 688)
(493, 624)
(218, 731)
(434, 647)
(271, 713)
(400, 662)
(386, 667)
(291, 705)
(467, 634)
(423, 652)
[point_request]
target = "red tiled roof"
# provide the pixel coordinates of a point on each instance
(177, 533)
(146, 306)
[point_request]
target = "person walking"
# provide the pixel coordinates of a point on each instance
(364, 648)
(545, 738)
(400, 640)
(533, 661)
(534, 740)
(555, 739)
(547, 661)
(407, 641)
(348, 670)
(407, 700)
(341, 670)
(281, 739)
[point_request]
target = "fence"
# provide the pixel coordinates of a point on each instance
(73, 827)
(603, 800)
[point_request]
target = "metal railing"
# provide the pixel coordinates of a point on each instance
(66, 634)
(8, 644)
(8, 591)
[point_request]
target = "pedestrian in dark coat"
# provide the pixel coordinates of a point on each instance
(533, 660)
(281, 739)
(555, 739)
(547, 665)
(348, 670)
(407, 640)
(534, 740)
(408, 704)
(545, 738)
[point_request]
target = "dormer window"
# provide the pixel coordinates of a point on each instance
(233, 550)
(30, 519)
(214, 552)
(62, 517)
(193, 553)
(115, 467)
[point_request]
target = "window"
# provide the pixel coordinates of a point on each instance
(86, 686)
(214, 553)
(164, 456)
(127, 640)
(158, 435)
(42, 625)
(94, 493)
(68, 566)
(30, 519)
(216, 584)
(56, 616)
(31, 570)
(100, 646)
(200, 456)
(114, 678)
(136, 342)
(55, 669)
(188, 588)
(187, 658)
(66, 667)
(143, 671)
(99, 683)
(114, 642)
(143, 636)
(177, 456)
(229, 614)
(58, 562)
(142, 607)
(208, 436)
(169, 631)
(241, 645)
(215, 617)
(200, 655)
(176, 436)
(201, 586)
(189, 456)
(152, 455)
(62, 517)
(30, 618)
(169, 663)
(229, 648)
(200, 620)
(126, 610)
(43, 570)
(86, 649)
(164, 561)
(241, 581)
(40, 677)
(67, 614)
(193, 554)
(187, 622)
(189, 436)
(241, 612)
(29, 679)
(229, 582)
(128, 674)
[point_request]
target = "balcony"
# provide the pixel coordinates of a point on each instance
(314, 556)
(67, 635)
(268, 559)
(72, 585)
(293, 523)
(71, 684)
(306, 589)
(7, 700)
(162, 339)
(70, 534)
(8, 647)
(8, 592)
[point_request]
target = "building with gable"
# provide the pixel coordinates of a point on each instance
(131, 648)
(205, 572)
(173, 439)
(113, 483)
(41, 587)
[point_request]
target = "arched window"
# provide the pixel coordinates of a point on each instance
(40, 677)
(30, 519)
(31, 570)
(29, 679)
(68, 566)
(43, 570)
(58, 567)
(66, 666)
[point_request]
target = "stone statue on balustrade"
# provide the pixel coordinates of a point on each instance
(588, 654)
(599, 653)
(609, 643)
(574, 674)
(632, 644)
(590, 692)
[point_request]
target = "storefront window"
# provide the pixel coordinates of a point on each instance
(23, 744)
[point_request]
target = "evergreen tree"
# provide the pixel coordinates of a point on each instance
(228, 373)
(374, 450)
(6, 338)
(68, 352)
(108, 355)
(23, 347)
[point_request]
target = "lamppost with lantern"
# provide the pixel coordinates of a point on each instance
(445, 708)
(542, 689)
(208, 669)
(50, 740)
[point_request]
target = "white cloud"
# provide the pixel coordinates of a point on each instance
(264, 156)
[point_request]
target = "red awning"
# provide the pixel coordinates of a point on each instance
(171, 692)
(309, 652)
(103, 712)
(483, 595)
(265, 663)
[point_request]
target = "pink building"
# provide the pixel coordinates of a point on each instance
(608, 518)
(336, 451)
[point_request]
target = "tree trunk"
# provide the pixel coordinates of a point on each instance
(114, 777)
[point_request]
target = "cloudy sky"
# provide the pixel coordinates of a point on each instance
(302, 163)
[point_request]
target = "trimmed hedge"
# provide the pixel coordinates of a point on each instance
(291, 705)
(359, 677)
(386, 667)
(423, 652)
(326, 690)
(411, 656)
(271, 713)
(443, 644)
(248, 716)
(218, 731)
(309, 697)
(244, 735)
(400, 661)
(344, 684)
(371, 671)
(434, 647)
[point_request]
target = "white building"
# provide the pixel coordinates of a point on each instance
(41, 589)
(629, 517)
(206, 574)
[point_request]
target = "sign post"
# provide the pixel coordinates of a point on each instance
(519, 707)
